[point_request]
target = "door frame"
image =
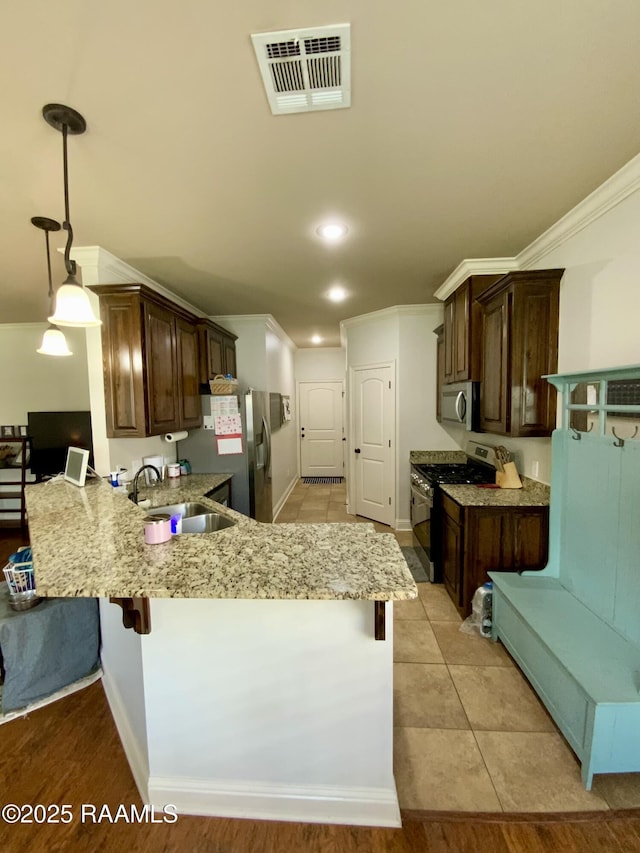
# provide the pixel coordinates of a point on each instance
(300, 382)
(350, 442)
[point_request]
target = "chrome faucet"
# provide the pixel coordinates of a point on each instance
(133, 495)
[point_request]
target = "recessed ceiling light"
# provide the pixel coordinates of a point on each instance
(332, 231)
(337, 293)
(316, 339)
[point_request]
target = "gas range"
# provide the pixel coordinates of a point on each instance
(476, 470)
(425, 506)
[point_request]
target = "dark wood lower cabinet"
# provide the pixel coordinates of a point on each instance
(476, 540)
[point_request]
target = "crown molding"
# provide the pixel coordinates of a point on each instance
(474, 266)
(23, 326)
(266, 320)
(393, 311)
(107, 269)
(608, 195)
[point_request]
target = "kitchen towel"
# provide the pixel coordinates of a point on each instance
(172, 437)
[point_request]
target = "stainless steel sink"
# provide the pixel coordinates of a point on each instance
(196, 517)
(206, 523)
(186, 510)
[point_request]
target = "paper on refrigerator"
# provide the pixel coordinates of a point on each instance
(228, 424)
(224, 405)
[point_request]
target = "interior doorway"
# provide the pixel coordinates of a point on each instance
(372, 417)
(321, 413)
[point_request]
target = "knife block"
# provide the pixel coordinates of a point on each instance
(509, 478)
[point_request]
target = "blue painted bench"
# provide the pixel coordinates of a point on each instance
(574, 627)
(586, 673)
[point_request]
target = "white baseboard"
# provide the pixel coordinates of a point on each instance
(403, 524)
(135, 756)
(259, 801)
(285, 497)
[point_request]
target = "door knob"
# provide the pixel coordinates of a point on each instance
(357, 450)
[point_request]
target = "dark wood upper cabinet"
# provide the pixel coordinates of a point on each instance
(217, 352)
(188, 372)
(162, 385)
(519, 346)
(151, 362)
(462, 330)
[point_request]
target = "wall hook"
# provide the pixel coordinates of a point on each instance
(578, 433)
(620, 442)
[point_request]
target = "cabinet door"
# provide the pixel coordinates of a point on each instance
(188, 372)
(494, 390)
(534, 352)
(451, 550)
(487, 547)
(125, 400)
(163, 398)
(449, 336)
(230, 357)
(461, 334)
(212, 354)
(530, 537)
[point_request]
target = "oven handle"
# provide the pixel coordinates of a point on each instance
(421, 497)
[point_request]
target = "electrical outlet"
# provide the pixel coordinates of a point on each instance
(208, 422)
(535, 468)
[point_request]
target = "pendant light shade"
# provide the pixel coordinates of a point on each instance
(54, 343)
(53, 340)
(72, 307)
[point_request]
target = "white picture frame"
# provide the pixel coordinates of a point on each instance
(75, 469)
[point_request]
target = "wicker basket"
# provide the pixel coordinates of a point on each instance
(221, 385)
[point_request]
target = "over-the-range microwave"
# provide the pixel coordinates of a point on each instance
(460, 404)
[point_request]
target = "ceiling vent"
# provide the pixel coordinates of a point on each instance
(306, 70)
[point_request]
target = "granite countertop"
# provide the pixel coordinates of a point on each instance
(90, 542)
(532, 493)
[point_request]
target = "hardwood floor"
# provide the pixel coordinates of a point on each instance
(69, 752)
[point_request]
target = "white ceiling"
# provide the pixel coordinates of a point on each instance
(473, 127)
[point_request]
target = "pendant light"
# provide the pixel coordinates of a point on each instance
(53, 340)
(72, 306)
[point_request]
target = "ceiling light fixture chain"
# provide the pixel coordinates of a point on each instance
(70, 265)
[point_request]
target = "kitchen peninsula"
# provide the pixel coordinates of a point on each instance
(260, 690)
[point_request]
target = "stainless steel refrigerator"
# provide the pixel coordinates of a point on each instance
(251, 483)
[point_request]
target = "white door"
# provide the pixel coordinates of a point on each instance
(373, 419)
(321, 429)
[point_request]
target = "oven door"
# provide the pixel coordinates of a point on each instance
(421, 513)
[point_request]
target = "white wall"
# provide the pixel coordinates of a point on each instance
(40, 383)
(286, 720)
(265, 361)
(320, 364)
(599, 294)
(403, 335)
(417, 380)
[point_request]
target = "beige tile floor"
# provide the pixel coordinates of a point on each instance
(470, 733)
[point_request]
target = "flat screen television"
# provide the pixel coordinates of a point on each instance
(51, 434)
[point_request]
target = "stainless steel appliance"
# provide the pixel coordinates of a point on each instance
(251, 483)
(459, 404)
(425, 505)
